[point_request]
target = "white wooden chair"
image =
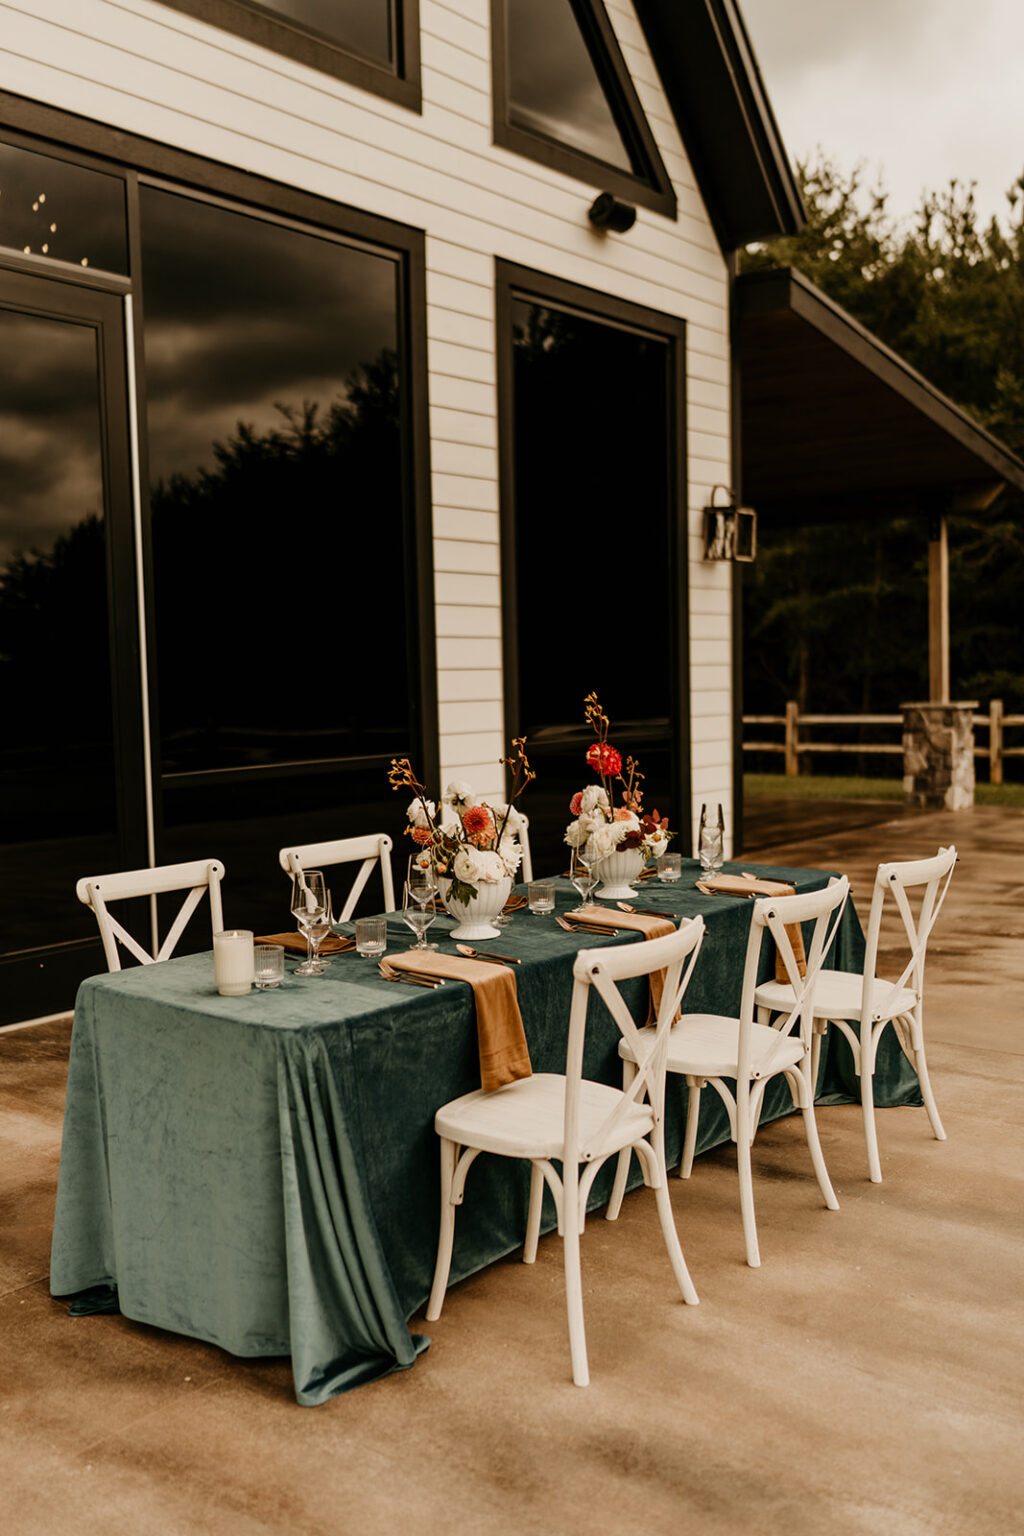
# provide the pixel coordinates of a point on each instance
(710, 1048)
(196, 878)
(374, 848)
(550, 1118)
(526, 868)
(861, 1004)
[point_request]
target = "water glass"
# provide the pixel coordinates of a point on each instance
(670, 867)
(371, 936)
(542, 897)
(268, 970)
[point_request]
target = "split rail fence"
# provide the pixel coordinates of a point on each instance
(794, 743)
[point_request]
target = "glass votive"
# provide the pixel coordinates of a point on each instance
(233, 961)
(268, 965)
(670, 866)
(542, 897)
(371, 935)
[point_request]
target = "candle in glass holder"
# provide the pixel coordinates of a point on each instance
(233, 961)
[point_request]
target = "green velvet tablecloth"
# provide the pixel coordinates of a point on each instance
(262, 1172)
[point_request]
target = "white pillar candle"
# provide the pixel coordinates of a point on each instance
(233, 961)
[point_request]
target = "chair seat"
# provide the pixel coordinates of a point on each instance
(837, 995)
(707, 1044)
(527, 1118)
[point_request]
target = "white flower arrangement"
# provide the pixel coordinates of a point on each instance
(599, 823)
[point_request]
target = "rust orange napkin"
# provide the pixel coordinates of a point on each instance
(504, 1056)
(650, 927)
(750, 885)
(332, 944)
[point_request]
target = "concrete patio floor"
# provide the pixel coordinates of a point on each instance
(865, 1380)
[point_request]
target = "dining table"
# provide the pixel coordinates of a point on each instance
(262, 1172)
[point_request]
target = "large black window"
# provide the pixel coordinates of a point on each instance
(371, 43)
(593, 518)
(563, 96)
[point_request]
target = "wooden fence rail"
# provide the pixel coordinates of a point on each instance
(793, 746)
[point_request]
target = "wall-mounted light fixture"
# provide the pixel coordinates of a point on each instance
(606, 212)
(730, 532)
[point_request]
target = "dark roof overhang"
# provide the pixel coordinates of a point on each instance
(714, 88)
(834, 425)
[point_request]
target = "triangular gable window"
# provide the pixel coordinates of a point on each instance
(563, 96)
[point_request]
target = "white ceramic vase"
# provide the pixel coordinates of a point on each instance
(475, 915)
(617, 870)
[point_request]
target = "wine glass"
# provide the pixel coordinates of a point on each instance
(309, 908)
(711, 842)
(582, 873)
(418, 908)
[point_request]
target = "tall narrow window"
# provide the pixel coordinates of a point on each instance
(593, 526)
(563, 96)
(280, 530)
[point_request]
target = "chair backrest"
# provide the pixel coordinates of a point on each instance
(195, 878)
(374, 848)
(598, 970)
(774, 914)
(526, 868)
(929, 878)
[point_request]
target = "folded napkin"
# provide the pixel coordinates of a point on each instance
(331, 944)
(504, 1056)
(650, 927)
(515, 904)
(751, 885)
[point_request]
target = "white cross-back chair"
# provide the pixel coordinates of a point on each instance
(550, 1118)
(196, 878)
(861, 1004)
(711, 1048)
(368, 851)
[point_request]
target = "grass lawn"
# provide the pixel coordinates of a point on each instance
(825, 787)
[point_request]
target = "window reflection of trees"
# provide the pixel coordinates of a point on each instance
(306, 513)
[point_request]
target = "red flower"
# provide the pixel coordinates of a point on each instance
(576, 803)
(604, 759)
(479, 824)
(421, 835)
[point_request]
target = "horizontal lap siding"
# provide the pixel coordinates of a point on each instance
(152, 71)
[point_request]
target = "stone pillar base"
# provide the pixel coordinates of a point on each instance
(938, 755)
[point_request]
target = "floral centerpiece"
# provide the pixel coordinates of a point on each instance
(602, 826)
(470, 842)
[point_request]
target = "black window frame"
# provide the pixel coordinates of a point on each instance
(257, 24)
(512, 282)
(652, 190)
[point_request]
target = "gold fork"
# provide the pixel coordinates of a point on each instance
(390, 974)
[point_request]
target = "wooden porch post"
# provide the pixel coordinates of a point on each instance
(938, 608)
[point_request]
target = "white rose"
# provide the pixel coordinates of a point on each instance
(459, 793)
(417, 815)
(575, 834)
(656, 845)
(592, 797)
(466, 866)
(492, 865)
(511, 855)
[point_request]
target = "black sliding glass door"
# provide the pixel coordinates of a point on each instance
(71, 790)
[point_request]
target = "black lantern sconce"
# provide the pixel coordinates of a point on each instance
(606, 212)
(730, 532)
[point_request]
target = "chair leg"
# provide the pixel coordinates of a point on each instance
(814, 1145)
(671, 1236)
(690, 1137)
(867, 1101)
(743, 1139)
(533, 1216)
(574, 1286)
(619, 1187)
(446, 1236)
(926, 1093)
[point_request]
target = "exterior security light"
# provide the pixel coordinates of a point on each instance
(730, 532)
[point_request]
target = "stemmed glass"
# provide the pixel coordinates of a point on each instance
(582, 873)
(711, 843)
(309, 908)
(418, 903)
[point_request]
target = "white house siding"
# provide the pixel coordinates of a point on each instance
(149, 70)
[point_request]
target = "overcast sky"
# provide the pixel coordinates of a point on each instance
(921, 91)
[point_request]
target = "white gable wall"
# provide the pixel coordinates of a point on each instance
(145, 68)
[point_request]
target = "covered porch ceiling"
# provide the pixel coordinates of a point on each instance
(835, 426)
